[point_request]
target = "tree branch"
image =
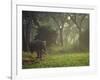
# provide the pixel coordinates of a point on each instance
(82, 19)
(57, 23)
(74, 20)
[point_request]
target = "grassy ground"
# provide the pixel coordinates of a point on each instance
(57, 60)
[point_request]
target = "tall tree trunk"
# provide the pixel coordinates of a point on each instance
(80, 46)
(61, 36)
(28, 33)
(24, 37)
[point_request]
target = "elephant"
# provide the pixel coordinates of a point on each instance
(39, 47)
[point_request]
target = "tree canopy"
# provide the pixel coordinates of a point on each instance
(67, 30)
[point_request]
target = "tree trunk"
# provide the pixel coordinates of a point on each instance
(24, 38)
(26, 34)
(61, 36)
(80, 47)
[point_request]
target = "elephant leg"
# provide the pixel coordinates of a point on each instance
(41, 54)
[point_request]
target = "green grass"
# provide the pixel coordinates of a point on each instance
(59, 60)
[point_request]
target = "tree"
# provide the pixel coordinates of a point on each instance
(60, 19)
(28, 18)
(78, 20)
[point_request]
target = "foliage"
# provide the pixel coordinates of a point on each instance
(62, 29)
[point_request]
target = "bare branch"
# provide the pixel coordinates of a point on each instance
(83, 17)
(57, 23)
(74, 20)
